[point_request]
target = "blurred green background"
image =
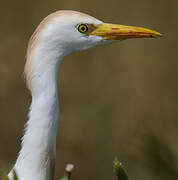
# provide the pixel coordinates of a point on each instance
(116, 100)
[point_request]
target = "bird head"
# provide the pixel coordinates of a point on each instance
(73, 31)
(64, 32)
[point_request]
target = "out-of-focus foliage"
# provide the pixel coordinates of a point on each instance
(14, 176)
(115, 100)
(68, 172)
(119, 170)
(5, 178)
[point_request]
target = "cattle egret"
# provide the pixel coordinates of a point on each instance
(59, 34)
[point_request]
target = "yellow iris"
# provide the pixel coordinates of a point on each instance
(83, 28)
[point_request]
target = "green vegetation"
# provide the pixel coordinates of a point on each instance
(117, 166)
(14, 178)
(119, 170)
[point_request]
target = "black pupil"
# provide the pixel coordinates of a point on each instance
(83, 28)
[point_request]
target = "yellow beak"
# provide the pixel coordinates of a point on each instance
(116, 32)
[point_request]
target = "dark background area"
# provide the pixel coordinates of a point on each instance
(116, 100)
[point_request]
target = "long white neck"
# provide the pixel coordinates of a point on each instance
(36, 160)
(55, 37)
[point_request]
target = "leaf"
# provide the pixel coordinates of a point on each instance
(5, 178)
(14, 175)
(119, 170)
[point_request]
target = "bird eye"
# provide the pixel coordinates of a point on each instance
(83, 28)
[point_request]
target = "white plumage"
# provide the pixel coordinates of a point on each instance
(57, 35)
